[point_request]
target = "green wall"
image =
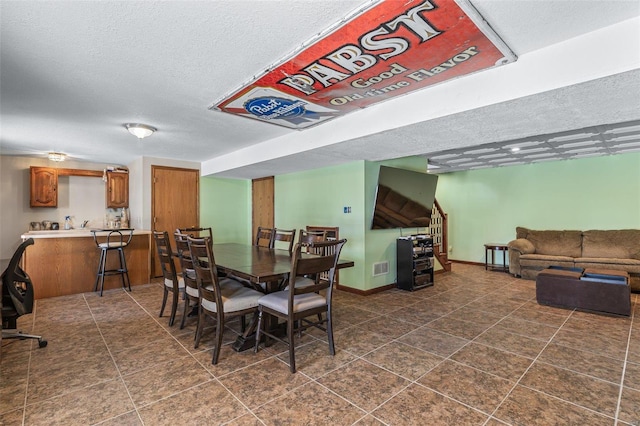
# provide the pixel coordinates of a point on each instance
(486, 205)
(225, 206)
(482, 205)
(317, 198)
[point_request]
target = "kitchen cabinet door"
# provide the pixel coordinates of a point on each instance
(44, 187)
(117, 190)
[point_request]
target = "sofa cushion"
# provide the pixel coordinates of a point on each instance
(624, 244)
(565, 243)
(544, 261)
(629, 265)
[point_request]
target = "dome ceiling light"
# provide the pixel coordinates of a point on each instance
(140, 131)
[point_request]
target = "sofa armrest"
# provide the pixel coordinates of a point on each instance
(522, 245)
(517, 248)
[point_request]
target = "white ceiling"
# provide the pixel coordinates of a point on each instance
(73, 72)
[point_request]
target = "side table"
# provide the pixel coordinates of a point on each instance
(493, 248)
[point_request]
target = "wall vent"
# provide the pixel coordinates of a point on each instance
(380, 268)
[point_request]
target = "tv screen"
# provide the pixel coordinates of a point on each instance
(404, 199)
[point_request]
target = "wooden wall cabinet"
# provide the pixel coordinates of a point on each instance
(117, 190)
(44, 187)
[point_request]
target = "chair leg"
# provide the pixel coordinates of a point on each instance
(200, 326)
(185, 308)
(219, 332)
(332, 348)
(243, 323)
(100, 271)
(174, 307)
(258, 331)
(292, 356)
(164, 301)
(125, 271)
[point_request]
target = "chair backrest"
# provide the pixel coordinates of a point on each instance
(196, 232)
(306, 238)
(264, 237)
(186, 264)
(284, 235)
(165, 254)
(316, 265)
(17, 288)
(204, 265)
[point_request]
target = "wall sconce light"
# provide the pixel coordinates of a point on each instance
(57, 156)
(140, 130)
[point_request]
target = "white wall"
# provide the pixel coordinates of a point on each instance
(83, 198)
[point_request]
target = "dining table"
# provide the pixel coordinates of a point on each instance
(257, 265)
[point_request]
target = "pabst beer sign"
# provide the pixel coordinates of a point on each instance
(389, 49)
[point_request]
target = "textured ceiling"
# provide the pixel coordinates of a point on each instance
(71, 73)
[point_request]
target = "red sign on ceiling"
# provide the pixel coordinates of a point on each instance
(390, 49)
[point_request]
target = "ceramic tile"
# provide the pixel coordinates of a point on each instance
(262, 382)
(320, 407)
(468, 385)
(465, 329)
(494, 361)
(206, 404)
(589, 363)
(138, 358)
(629, 406)
(592, 342)
(510, 342)
(587, 351)
(314, 359)
(363, 384)
(632, 376)
(528, 407)
(84, 406)
(433, 341)
(358, 341)
(418, 405)
(12, 418)
(128, 419)
(165, 379)
(404, 360)
(368, 420)
(585, 391)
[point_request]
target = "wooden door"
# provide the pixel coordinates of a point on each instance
(175, 203)
(262, 191)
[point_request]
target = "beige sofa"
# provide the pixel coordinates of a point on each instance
(533, 251)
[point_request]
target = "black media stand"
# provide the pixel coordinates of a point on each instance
(414, 265)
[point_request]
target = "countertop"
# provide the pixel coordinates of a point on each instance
(72, 233)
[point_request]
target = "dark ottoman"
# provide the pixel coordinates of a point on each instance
(598, 290)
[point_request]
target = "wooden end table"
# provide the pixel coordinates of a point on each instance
(493, 248)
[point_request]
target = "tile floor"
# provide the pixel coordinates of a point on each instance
(473, 349)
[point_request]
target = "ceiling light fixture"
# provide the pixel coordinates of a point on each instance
(515, 149)
(140, 130)
(57, 156)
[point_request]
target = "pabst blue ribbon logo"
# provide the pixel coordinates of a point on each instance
(268, 108)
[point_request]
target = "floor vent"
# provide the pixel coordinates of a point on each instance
(380, 268)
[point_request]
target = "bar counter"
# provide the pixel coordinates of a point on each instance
(66, 261)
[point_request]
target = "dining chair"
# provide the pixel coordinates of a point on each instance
(264, 237)
(297, 304)
(172, 283)
(284, 235)
(188, 276)
(196, 232)
(220, 298)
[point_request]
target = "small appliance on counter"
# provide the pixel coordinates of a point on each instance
(55, 226)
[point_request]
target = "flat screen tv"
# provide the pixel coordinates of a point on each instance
(404, 199)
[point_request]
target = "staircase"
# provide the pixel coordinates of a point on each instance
(438, 229)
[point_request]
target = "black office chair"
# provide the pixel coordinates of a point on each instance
(17, 297)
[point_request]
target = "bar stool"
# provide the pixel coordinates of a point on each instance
(116, 239)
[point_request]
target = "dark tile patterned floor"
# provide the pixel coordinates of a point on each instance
(474, 349)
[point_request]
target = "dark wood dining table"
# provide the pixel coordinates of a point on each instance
(257, 265)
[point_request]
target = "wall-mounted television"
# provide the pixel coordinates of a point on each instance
(404, 199)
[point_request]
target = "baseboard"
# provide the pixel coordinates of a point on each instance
(466, 262)
(365, 292)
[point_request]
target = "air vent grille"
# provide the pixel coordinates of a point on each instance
(380, 268)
